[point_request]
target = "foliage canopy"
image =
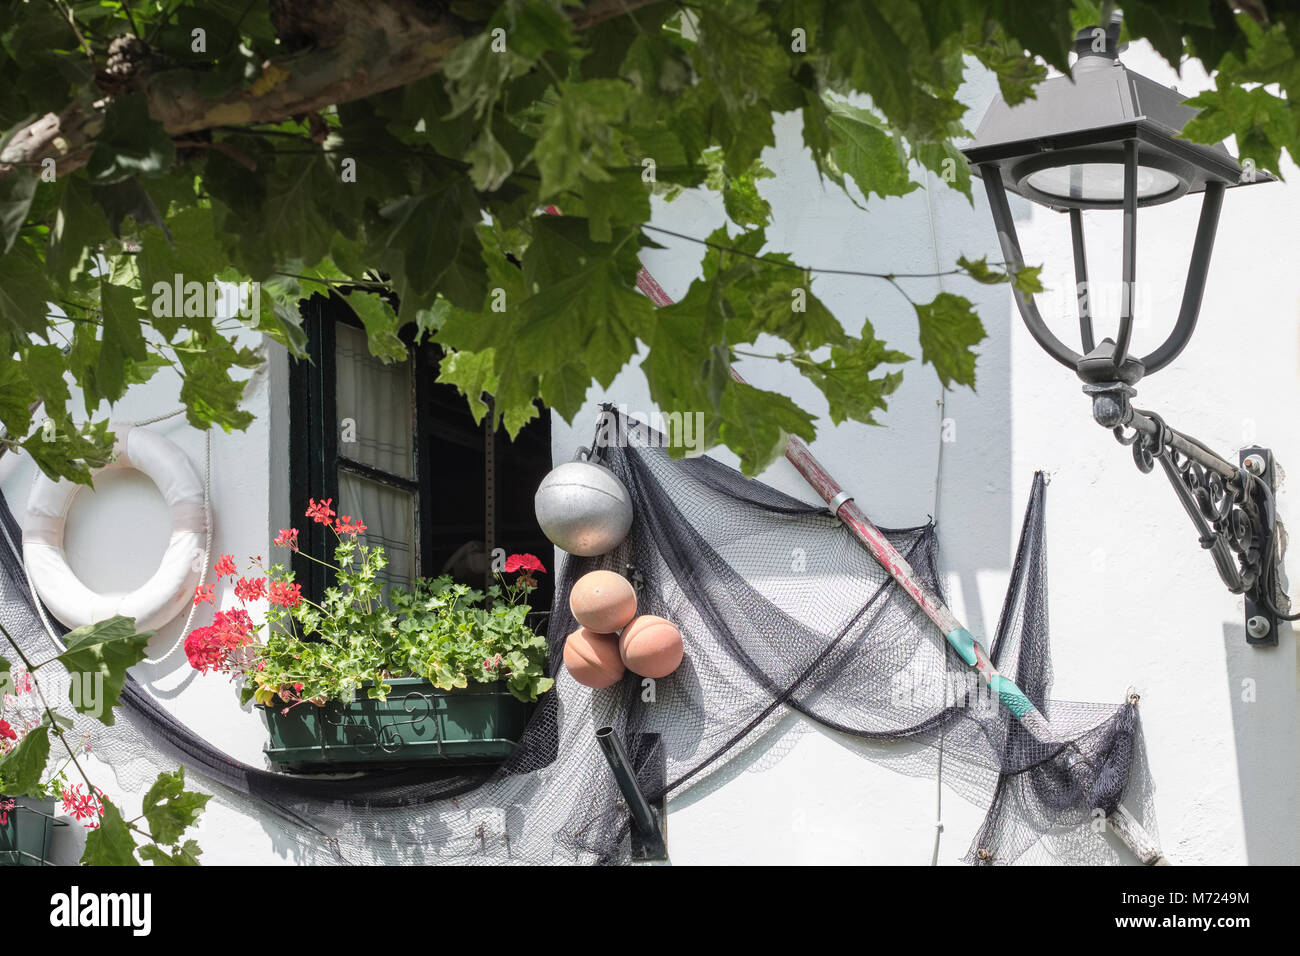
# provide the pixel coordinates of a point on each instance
(415, 146)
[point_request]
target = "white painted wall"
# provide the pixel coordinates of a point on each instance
(1133, 600)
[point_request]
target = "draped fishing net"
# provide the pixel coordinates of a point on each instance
(782, 612)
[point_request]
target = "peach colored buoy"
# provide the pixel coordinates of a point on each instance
(603, 601)
(593, 659)
(651, 646)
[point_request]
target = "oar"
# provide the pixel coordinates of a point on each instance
(1123, 823)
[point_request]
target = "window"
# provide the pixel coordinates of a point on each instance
(392, 446)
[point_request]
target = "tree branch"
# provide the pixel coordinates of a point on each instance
(340, 66)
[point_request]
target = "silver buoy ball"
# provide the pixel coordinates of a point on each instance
(583, 508)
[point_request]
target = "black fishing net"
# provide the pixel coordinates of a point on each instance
(783, 613)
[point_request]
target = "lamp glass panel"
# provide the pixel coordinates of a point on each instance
(1100, 182)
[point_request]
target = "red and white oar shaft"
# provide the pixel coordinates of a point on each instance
(961, 640)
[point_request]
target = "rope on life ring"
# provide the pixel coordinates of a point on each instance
(184, 563)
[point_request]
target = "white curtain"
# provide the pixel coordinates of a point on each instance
(374, 411)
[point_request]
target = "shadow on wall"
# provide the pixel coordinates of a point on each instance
(1261, 696)
(978, 515)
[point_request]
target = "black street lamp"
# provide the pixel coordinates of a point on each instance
(1108, 138)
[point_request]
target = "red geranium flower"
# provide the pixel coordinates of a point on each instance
(524, 562)
(83, 806)
(250, 589)
(320, 512)
(203, 594)
(216, 647)
(6, 730)
(226, 566)
(284, 594)
(347, 526)
(287, 538)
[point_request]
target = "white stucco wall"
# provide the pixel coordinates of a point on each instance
(1133, 600)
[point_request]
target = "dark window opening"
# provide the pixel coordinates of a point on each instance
(392, 446)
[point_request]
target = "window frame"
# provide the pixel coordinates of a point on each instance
(314, 457)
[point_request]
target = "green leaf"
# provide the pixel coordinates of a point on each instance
(22, 768)
(687, 369)
(126, 198)
(381, 325)
(71, 452)
(122, 341)
(211, 395)
(846, 380)
(16, 398)
(1263, 123)
(868, 152)
(473, 373)
(111, 843)
(24, 293)
(79, 226)
(947, 162)
(757, 425)
(431, 245)
(170, 808)
(564, 390)
(585, 311)
(577, 135)
(490, 164)
(16, 191)
(949, 330)
(101, 652)
(187, 854)
(621, 200)
(740, 197)
(1026, 279)
(45, 368)
(978, 269)
(1162, 24)
(132, 142)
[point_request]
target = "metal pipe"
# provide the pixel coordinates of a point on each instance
(643, 817)
(1194, 290)
(1128, 266)
(1006, 229)
(1086, 336)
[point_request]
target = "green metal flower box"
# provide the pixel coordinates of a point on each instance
(417, 724)
(26, 834)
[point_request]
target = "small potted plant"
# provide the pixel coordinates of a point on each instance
(436, 671)
(27, 823)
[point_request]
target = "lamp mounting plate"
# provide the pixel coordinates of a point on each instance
(1261, 623)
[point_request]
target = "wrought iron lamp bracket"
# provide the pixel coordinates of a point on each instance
(1230, 507)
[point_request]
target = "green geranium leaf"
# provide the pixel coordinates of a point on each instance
(22, 768)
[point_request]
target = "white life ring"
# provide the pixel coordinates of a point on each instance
(165, 594)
